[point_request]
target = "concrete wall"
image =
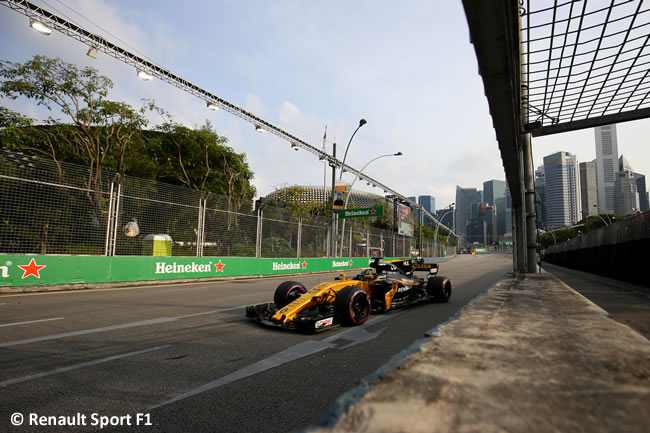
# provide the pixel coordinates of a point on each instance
(621, 251)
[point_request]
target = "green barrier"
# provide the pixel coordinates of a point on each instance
(32, 270)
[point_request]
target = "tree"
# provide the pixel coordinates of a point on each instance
(101, 129)
(200, 159)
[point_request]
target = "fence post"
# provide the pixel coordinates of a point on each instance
(109, 221)
(198, 229)
(258, 240)
(367, 241)
(117, 215)
(328, 240)
(299, 240)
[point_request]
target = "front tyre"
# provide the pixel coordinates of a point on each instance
(439, 289)
(287, 292)
(352, 305)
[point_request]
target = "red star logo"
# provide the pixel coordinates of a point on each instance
(304, 264)
(374, 211)
(350, 262)
(31, 269)
(220, 266)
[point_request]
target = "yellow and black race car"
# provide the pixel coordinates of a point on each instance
(385, 285)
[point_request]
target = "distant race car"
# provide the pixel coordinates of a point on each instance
(385, 285)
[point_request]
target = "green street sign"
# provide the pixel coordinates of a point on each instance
(376, 211)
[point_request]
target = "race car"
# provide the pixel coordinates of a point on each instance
(384, 286)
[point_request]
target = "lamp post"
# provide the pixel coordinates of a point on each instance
(345, 155)
(602, 219)
(347, 198)
(435, 238)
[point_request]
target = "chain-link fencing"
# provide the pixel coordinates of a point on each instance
(49, 207)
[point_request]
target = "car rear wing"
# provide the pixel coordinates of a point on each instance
(408, 265)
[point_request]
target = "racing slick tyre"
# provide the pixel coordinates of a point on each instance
(287, 292)
(352, 305)
(439, 289)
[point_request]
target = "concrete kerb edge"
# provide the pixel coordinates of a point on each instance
(587, 300)
(345, 401)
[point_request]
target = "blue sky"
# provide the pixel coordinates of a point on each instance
(408, 68)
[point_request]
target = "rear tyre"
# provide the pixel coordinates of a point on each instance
(352, 305)
(287, 292)
(439, 289)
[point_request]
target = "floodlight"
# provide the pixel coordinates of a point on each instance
(212, 106)
(40, 27)
(92, 53)
(259, 129)
(144, 75)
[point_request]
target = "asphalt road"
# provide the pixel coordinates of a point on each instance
(184, 357)
(626, 303)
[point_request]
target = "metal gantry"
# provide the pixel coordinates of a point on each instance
(585, 64)
(98, 43)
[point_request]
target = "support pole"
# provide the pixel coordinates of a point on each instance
(334, 231)
(531, 216)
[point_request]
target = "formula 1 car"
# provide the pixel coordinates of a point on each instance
(384, 286)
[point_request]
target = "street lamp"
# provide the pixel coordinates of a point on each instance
(347, 198)
(602, 219)
(435, 238)
(345, 155)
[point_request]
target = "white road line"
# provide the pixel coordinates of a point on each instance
(31, 321)
(306, 348)
(115, 327)
(78, 366)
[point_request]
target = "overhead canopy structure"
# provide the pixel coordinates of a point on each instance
(551, 66)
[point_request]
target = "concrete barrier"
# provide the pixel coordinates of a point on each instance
(620, 250)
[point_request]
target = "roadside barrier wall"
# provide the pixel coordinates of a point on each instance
(18, 271)
(620, 250)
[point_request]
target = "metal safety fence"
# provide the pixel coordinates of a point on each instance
(49, 207)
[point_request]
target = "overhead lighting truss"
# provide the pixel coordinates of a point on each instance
(34, 12)
(584, 64)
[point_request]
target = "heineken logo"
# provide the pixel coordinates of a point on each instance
(289, 266)
(190, 268)
(362, 212)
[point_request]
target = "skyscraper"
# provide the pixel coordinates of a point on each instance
(626, 196)
(644, 200)
(465, 197)
(624, 165)
(562, 189)
(606, 166)
(428, 202)
(494, 193)
(540, 190)
(588, 189)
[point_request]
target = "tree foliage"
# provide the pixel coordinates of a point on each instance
(100, 129)
(102, 134)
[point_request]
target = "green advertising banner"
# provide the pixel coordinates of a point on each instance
(33, 270)
(362, 212)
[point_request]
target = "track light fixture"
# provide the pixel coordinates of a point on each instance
(40, 27)
(143, 75)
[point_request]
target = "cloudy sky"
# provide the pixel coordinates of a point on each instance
(408, 68)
